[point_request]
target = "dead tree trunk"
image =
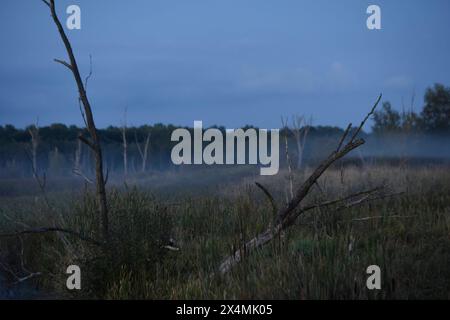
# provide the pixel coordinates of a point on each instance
(287, 215)
(300, 130)
(34, 133)
(143, 152)
(94, 141)
(78, 152)
(125, 145)
(288, 160)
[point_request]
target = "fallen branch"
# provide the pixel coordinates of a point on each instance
(269, 196)
(289, 214)
(381, 217)
(51, 229)
(270, 233)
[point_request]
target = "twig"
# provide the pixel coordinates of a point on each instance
(382, 217)
(90, 72)
(64, 63)
(269, 196)
(367, 117)
(344, 136)
(78, 172)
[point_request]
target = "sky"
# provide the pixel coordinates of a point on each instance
(225, 62)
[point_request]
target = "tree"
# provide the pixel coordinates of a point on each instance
(386, 120)
(125, 145)
(34, 134)
(143, 152)
(436, 112)
(94, 141)
(300, 130)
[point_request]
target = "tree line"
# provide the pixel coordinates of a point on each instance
(56, 148)
(433, 119)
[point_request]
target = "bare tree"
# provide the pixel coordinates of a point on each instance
(34, 133)
(143, 151)
(300, 129)
(77, 169)
(287, 216)
(125, 144)
(94, 141)
(284, 122)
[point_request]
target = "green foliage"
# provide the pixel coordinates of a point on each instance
(386, 119)
(436, 113)
(434, 118)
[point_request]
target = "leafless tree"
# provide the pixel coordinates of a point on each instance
(94, 141)
(34, 133)
(287, 215)
(300, 129)
(77, 169)
(143, 151)
(289, 196)
(125, 144)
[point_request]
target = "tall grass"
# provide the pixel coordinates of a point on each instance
(324, 256)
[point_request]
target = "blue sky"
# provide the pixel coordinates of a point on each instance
(227, 62)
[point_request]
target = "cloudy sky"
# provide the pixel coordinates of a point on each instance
(226, 62)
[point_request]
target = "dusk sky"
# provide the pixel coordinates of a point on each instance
(226, 62)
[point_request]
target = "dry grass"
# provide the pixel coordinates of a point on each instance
(323, 257)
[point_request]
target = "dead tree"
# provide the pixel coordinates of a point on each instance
(94, 141)
(143, 151)
(125, 144)
(289, 196)
(34, 133)
(300, 130)
(77, 168)
(287, 215)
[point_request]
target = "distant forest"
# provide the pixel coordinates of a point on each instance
(56, 149)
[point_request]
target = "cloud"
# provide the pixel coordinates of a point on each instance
(400, 81)
(339, 77)
(281, 80)
(299, 79)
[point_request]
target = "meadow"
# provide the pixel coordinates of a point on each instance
(171, 230)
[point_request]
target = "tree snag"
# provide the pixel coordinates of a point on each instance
(143, 152)
(125, 145)
(34, 134)
(94, 141)
(300, 130)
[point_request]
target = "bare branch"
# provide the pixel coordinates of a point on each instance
(382, 217)
(78, 172)
(106, 176)
(367, 117)
(269, 196)
(46, 2)
(49, 230)
(143, 153)
(288, 215)
(86, 141)
(64, 63)
(344, 136)
(90, 72)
